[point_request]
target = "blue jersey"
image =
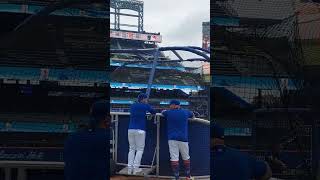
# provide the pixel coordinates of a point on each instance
(231, 164)
(138, 113)
(86, 155)
(177, 124)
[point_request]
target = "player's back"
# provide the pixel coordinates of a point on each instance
(231, 164)
(138, 115)
(177, 123)
(86, 155)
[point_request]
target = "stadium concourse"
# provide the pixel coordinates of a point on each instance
(51, 72)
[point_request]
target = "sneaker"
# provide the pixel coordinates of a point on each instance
(137, 171)
(130, 170)
(190, 178)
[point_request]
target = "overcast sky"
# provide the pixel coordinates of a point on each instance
(178, 21)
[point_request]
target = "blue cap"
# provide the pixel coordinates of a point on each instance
(142, 96)
(99, 111)
(174, 102)
(217, 131)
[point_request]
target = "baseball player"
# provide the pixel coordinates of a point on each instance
(177, 129)
(230, 164)
(137, 132)
(86, 152)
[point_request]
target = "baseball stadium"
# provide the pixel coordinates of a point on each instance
(140, 64)
(266, 59)
(53, 68)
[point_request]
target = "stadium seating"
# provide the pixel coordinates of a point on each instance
(31, 73)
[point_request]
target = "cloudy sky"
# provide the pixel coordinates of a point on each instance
(179, 21)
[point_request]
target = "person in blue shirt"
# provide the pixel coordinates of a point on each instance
(231, 164)
(137, 132)
(177, 130)
(86, 152)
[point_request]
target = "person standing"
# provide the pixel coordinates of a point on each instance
(137, 132)
(86, 152)
(229, 164)
(177, 131)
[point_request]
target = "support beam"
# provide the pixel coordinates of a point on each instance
(7, 173)
(22, 174)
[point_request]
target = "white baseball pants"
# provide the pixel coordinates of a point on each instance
(178, 146)
(136, 147)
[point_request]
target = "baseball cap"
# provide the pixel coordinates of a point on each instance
(217, 131)
(174, 102)
(142, 96)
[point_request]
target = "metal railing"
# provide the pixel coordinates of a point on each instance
(156, 157)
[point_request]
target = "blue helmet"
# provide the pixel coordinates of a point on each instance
(142, 96)
(174, 102)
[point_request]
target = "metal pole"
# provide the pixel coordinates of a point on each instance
(22, 174)
(116, 139)
(158, 146)
(7, 173)
(113, 137)
(153, 70)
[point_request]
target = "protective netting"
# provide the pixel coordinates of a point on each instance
(261, 51)
(52, 68)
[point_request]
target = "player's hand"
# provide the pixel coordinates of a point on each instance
(149, 117)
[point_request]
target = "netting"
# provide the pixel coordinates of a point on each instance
(53, 68)
(260, 62)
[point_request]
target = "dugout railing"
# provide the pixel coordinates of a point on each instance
(155, 161)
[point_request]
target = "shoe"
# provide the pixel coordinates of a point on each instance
(190, 178)
(130, 170)
(137, 171)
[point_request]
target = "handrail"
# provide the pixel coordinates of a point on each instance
(203, 121)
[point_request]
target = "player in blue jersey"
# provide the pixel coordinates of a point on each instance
(177, 129)
(86, 152)
(137, 132)
(231, 164)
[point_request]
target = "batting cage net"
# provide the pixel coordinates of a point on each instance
(52, 68)
(261, 52)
